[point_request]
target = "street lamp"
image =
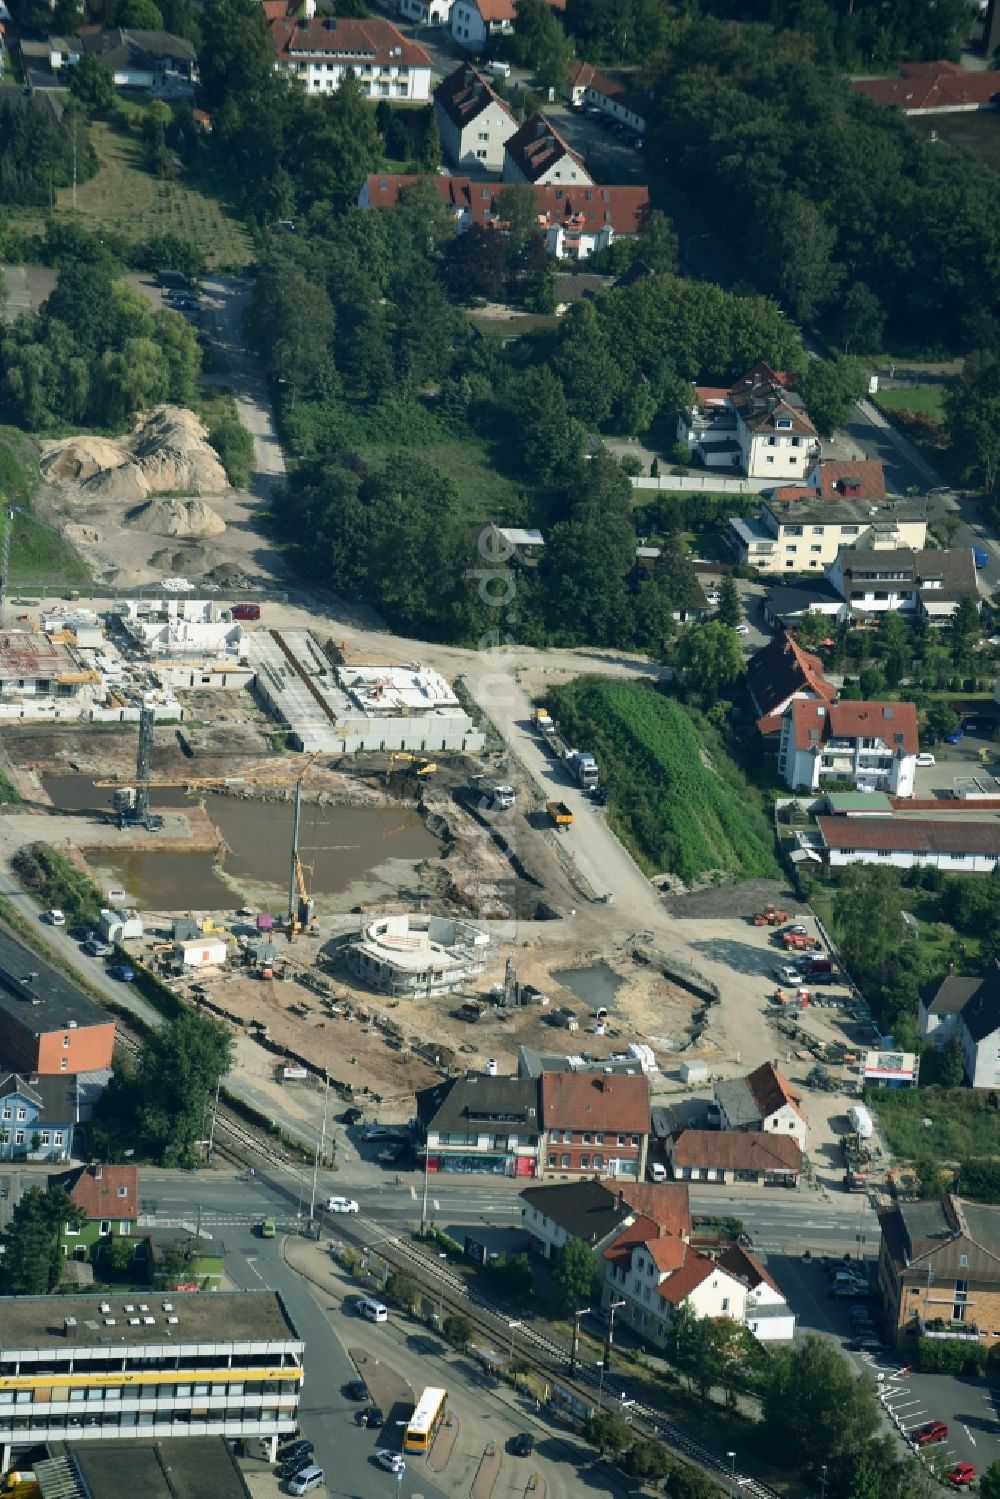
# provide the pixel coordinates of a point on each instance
(513, 1329)
(732, 1473)
(600, 1385)
(441, 1256)
(822, 1481)
(575, 1345)
(613, 1306)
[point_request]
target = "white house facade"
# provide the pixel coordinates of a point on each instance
(929, 582)
(538, 154)
(900, 843)
(473, 122)
(320, 51)
(874, 745)
(474, 22)
(967, 1007)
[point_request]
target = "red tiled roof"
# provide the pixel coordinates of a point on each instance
(911, 835)
(580, 74)
(643, 1231)
(538, 146)
(770, 1091)
(98, 1196)
(276, 10)
(793, 492)
(666, 1204)
(496, 10)
(933, 85)
(732, 1150)
(835, 479)
(465, 94)
(585, 206)
(696, 1269)
(814, 723)
(777, 672)
(595, 1101)
(350, 39)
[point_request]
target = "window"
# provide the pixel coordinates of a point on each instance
(46, 1137)
(621, 1139)
(71, 1232)
(725, 1303)
(818, 530)
(565, 1162)
(599, 1138)
(63, 1063)
(635, 1139)
(483, 135)
(19, 1137)
(552, 1158)
(65, 1040)
(123, 1191)
(585, 1163)
(598, 1163)
(586, 1138)
(22, 1113)
(105, 1226)
(7, 1114)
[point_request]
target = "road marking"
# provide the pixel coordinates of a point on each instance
(968, 1433)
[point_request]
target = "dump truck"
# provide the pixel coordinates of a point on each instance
(560, 814)
(795, 942)
(856, 1181)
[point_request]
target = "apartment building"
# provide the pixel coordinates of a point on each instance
(47, 1025)
(939, 1270)
(873, 744)
(595, 1124)
(320, 50)
(123, 1366)
(481, 1124)
(474, 123)
(806, 535)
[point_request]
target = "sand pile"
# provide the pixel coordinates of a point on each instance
(169, 517)
(166, 452)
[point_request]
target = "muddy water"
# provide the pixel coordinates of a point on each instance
(595, 986)
(339, 845)
(77, 793)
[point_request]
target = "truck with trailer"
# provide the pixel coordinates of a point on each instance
(581, 766)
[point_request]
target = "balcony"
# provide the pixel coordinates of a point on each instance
(943, 1327)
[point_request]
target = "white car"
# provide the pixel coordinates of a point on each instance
(743, 629)
(342, 1205)
(787, 975)
(393, 1462)
(924, 760)
(55, 918)
(491, 1067)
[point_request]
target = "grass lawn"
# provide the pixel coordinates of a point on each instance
(128, 199)
(485, 493)
(928, 399)
(37, 555)
(934, 937)
(962, 1123)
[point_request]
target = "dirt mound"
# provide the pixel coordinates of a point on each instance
(168, 517)
(193, 559)
(166, 452)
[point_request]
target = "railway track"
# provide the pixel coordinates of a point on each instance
(546, 1355)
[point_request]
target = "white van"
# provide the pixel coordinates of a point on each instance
(306, 1481)
(499, 69)
(374, 1311)
(657, 1172)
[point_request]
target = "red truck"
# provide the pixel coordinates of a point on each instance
(245, 611)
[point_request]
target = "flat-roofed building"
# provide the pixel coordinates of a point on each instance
(130, 1364)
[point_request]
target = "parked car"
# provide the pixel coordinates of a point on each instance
(981, 558)
(81, 934)
(741, 629)
(123, 972)
(95, 948)
(925, 760)
(961, 1475)
(55, 917)
(392, 1462)
(373, 1416)
(299, 1448)
(305, 1482)
(930, 1432)
(524, 1444)
(955, 738)
(296, 1465)
(357, 1390)
(351, 1116)
(786, 974)
(342, 1205)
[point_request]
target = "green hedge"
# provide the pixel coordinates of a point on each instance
(57, 883)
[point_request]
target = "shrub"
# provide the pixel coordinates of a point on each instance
(234, 445)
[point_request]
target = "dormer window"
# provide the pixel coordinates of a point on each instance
(783, 423)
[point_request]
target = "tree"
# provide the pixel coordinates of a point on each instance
(939, 722)
(867, 913)
(541, 43)
(402, 1288)
(180, 1067)
(458, 1329)
(609, 1432)
(951, 1071)
(657, 243)
(648, 1460)
(711, 658)
(814, 1405)
(476, 265)
(799, 256)
(92, 82)
(116, 1254)
(178, 344)
(574, 1272)
(32, 1260)
(861, 320)
(963, 629)
(972, 408)
(237, 54)
(877, 1470)
(730, 611)
(548, 440)
(829, 388)
(989, 1482)
(292, 321)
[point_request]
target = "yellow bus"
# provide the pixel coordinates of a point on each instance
(422, 1427)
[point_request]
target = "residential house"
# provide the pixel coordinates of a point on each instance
(320, 50)
(426, 12)
(474, 123)
(758, 426)
(728, 1156)
(939, 1270)
(967, 1007)
(965, 847)
(921, 88)
(108, 1198)
(538, 154)
(797, 534)
(598, 1212)
(657, 1276)
(475, 22)
(831, 479)
(610, 92)
(788, 602)
(927, 584)
(780, 672)
(595, 1123)
(574, 220)
(38, 1117)
(481, 1124)
(47, 1025)
(763, 1101)
(873, 744)
(155, 61)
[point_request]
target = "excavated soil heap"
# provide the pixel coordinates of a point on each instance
(167, 451)
(176, 518)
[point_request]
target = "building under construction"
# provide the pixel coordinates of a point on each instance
(417, 955)
(42, 676)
